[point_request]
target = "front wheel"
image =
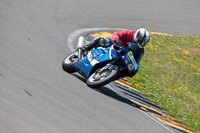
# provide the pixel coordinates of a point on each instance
(102, 77)
(69, 62)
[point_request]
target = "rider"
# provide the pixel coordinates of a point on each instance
(140, 37)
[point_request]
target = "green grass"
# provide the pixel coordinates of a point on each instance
(169, 76)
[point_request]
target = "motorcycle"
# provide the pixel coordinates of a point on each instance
(103, 65)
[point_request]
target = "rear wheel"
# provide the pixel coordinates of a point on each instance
(69, 62)
(102, 77)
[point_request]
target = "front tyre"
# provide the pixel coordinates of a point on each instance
(69, 62)
(102, 77)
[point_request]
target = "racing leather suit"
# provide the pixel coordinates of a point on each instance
(124, 36)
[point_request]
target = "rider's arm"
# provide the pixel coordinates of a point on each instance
(123, 36)
(119, 35)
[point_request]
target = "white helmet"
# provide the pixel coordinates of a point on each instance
(142, 37)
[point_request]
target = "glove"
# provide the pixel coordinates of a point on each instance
(118, 42)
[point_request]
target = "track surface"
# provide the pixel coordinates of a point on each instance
(37, 96)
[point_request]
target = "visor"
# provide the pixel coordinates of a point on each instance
(142, 43)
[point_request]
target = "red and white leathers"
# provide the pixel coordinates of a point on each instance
(124, 37)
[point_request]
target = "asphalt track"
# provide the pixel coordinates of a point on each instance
(37, 96)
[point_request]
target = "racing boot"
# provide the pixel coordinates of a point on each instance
(91, 45)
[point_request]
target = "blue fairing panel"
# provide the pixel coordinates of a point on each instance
(94, 57)
(104, 57)
(97, 52)
(84, 66)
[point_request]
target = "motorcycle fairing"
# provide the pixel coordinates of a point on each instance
(101, 55)
(93, 57)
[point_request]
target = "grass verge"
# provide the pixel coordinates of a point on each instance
(169, 76)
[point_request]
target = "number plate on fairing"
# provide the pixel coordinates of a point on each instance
(134, 64)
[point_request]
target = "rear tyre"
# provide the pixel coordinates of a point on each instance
(101, 78)
(69, 62)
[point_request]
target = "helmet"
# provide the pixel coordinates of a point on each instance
(142, 37)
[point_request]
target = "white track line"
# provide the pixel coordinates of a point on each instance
(158, 33)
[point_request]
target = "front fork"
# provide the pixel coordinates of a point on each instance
(80, 54)
(81, 43)
(112, 66)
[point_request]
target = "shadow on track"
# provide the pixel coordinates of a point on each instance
(110, 93)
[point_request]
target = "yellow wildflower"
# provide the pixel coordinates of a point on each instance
(151, 46)
(193, 66)
(172, 43)
(176, 59)
(185, 52)
(137, 85)
(163, 36)
(186, 63)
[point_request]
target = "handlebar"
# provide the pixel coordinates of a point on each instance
(117, 47)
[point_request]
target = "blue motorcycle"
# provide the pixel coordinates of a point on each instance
(104, 64)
